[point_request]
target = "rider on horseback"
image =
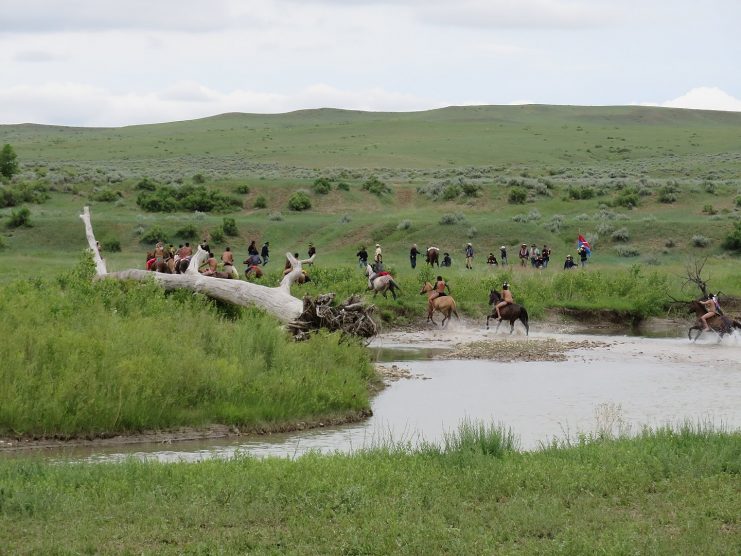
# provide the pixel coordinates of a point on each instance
(507, 299)
(438, 291)
(712, 307)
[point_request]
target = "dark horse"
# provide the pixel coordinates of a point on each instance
(717, 323)
(432, 256)
(510, 312)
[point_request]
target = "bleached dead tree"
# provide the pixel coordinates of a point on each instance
(301, 316)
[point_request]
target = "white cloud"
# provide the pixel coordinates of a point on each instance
(85, 105)
(702, 98)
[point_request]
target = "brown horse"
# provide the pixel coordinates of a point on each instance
(165, 265)
(381, 284)
(510, 312)
(718, 323)
(432, 256)
(444, 304)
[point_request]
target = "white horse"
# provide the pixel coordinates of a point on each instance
(381, 284)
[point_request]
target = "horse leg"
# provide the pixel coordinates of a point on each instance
(499, 323)
(487, 321)
(511, 326)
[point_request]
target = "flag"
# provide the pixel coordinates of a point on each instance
(582, 242)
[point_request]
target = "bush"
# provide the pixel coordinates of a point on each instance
(20, 217)
(451, 192)
(738, 201)
(700, 241)
(581, 192)
(322, 186)
(628, 198)
(621, 235)
(146, 185)
(188, 231)
(105, 195)
(111, 245)
(708, 209)
(732, 242)
(299, 201)
(187, 197)
(345, 219)
(229, 225)
(376, 186)
(404, 225)
(275, 216)
(343, 186)
(517, 196)
(199, 178)
(217, 235)
(627, 251)
(670, 243)
(261, 202)
(471, 232)
(471, 190)
(242, 189)
(23, 193)
(450, 219)
(8, 162)
(153, 235)
(668, 194)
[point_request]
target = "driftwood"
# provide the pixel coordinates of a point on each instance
(301, 316)
(350, 316)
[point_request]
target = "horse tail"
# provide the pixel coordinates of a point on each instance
(393, 284)
(524, 320)
(736, 324)
(455, 309)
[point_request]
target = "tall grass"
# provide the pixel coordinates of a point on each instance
(95, 358)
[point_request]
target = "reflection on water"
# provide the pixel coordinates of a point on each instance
(537, 400)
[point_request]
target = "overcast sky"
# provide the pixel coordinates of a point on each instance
(111, 63)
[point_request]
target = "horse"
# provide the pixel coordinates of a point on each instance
(510, 312)
(165, 265)
(253, 271)
(381, 284)
(444, 304)
(720, 324)
(432, 256)
(182, 265)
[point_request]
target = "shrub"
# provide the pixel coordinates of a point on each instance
(709, 187)
(242, 189)
(376, 186)
(105, 195)
(450, 219)
(20, 217)
(187, 197)
(275, 216)
(471, 232)
(581, 192)
(8, 162)
(229, 225)
(345, 219)
(146, 185)
(188, 231)
(199, 178)
(738, 201)
(343, 186)
(261, 202)
(217, 235)
(627, 251)
(732, 241)
(322, 186)
(667, 194)
(700, 241)
(669, 243)
(451, 192)
(621, 235)
(299, 201)
(470, 189)
(111, 245)
(517, 195)
(153, 235)
(404, 225)
(708, 209)
(628, 198)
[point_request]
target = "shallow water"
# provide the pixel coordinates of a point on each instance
(539, 401)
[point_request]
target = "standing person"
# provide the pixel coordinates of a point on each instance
(228, 257)
(252, 249)
(265, 253)
(503, 255)
(534, 254)
(523, 254)
(546, 254)
(413, 252)
(582, 252)
(507, 299)
(362, 256)
(469, 256)
(312, 250)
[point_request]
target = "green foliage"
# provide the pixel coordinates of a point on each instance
(343, 186)
(186, 198)
(700, 241)
(471, 189)
(738, 201)
(11, 196)
(242, 189)
(622, 235)
(229, 225)
(111, 245)
(668, 194)
(145, 184)
(189, 231)
(709, 209)
(8, 162)
(451, 219)
(732, 241)
(322, 186)
(20, 217)
(627, 197)
(627, 251)
(299, 201)
(580, 192)
(153, 235)
(376, 186)
(199, 178)
(517, 196)
(105, 195)
(260, 202)
(217, 235)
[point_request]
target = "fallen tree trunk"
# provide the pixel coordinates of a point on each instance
(301, 316)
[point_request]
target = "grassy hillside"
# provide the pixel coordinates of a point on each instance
(651, 186)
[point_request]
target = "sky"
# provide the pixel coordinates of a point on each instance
(115, 63)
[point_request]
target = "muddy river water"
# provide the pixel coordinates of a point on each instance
(614, 383)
